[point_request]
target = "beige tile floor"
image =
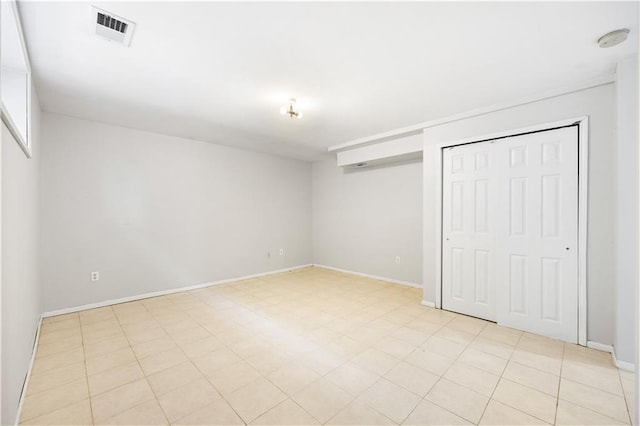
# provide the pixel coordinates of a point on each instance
(311, 347)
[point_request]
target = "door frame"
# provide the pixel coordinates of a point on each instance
(583, 182)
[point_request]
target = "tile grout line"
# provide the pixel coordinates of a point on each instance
(534, 389)
(624, 394)
(593, 387)
(380, 377)
(528, 387)
(126, 336)
(555, 417)
(190, 361)
(499, 378)
(559, 376)
(25, 390)
(85, 378)
(86, 370)
(348, 360)
(264, 376)
(440, 377)
(519, 409)
(222, 396)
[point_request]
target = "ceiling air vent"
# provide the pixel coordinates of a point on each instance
(112, 27)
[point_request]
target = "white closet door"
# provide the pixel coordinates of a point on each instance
(467, 248)
(537, 273)
(510, 231)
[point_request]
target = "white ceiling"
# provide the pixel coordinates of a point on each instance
(219, 72)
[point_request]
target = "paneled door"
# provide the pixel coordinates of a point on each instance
(469, 229)
(510, 231)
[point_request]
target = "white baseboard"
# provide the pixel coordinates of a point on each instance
(600, 346)
(23, 393)
(375, 277)
(622, 365)
(165, 292)
(429, 304)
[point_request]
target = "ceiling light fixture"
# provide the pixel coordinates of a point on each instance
(613, 38)
(290, 110)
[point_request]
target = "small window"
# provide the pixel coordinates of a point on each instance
(15, 80)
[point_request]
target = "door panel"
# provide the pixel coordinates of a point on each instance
(544, 237)
(551, 206)
(518, 206)
(550, 289)
(510, 231)
(481, 282)
(467, 251)
(518, 284)
(481, 205)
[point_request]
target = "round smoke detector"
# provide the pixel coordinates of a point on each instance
(613, 38)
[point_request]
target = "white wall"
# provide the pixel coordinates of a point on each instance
(153, 212)
(626, 215)
(598, 104)
(21, 307)
(364, 218)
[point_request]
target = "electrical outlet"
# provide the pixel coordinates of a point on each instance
(397, 259)
(281, 252)
(95, 276)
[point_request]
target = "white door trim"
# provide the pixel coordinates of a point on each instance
(583, 182)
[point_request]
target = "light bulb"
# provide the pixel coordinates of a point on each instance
(284, 110)
(299, 114)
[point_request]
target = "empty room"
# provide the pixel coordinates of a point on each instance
(319, 213)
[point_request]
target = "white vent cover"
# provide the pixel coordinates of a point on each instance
(112, 27)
